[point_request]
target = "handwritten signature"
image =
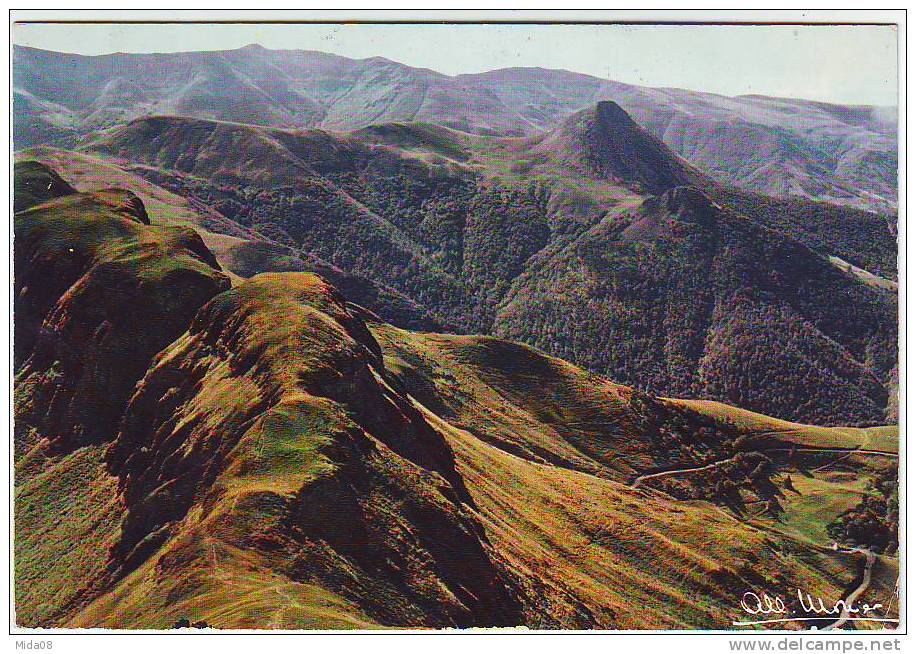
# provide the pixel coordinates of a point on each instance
(768, 607)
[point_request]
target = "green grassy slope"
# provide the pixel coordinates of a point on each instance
(259, 449)
(35, 183)
(883, 438)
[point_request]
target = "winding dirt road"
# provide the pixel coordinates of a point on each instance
(870, 558)
(848, 451)
(656, 475)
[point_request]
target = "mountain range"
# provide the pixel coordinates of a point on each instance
(593, 241)
(778, 146)
(303, 342)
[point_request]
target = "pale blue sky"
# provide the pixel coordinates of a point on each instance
(848, 64)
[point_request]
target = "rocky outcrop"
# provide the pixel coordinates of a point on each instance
(34, 183)
(678, 210)
(98, 292)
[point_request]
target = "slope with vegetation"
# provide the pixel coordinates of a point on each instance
(241, 251)
(593, 242)
(712, 306)
(272, 456)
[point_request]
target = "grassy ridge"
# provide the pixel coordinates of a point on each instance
(571, 548)
(281, 458)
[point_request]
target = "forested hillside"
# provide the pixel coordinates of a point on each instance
(593, 241)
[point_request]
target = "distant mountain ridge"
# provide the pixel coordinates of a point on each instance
(778, 146)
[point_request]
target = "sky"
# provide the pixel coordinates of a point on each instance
(845, 64)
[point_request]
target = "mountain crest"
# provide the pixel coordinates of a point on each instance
(604, 141)
(622, 149)
(610, 113)
(35, 183)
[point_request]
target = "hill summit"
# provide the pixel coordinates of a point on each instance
(603, 140)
